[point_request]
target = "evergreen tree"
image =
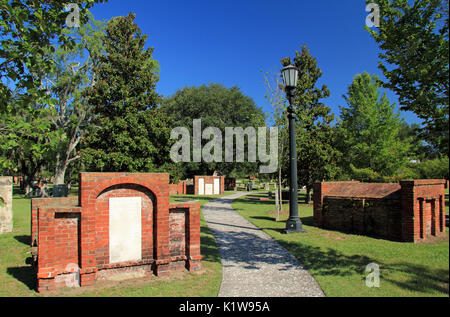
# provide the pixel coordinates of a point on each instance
(316, 156)
(132, 134)
(370, 131)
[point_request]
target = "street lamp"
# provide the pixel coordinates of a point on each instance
(290, 78)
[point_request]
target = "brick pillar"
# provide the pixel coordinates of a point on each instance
(87, 248)
(46, 250)
(410, 215)
(193, 251)
(318, 202)
(162, 254)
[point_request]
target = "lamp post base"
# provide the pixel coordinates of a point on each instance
(294, 226)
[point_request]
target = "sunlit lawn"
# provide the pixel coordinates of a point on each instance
(17, 277)
(338, 260)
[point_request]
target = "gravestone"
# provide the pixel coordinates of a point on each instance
(6, 213)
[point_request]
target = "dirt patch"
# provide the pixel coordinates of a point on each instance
(334, 236)
(433, 239)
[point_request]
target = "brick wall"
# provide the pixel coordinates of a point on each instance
(74, 232)
(209, 180)
(178, 189)
(410, 211)
(6, 211)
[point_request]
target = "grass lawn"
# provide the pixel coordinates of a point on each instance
(17, 277)
(338, 260)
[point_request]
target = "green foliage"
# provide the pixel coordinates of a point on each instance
(369, 132)
(433, 169)
(316, 156)
(25, 137)
(28, 29)
(413, 38)
(220, 107)
(70, 77)
(132, 134)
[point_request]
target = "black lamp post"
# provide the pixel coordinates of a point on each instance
(290, 77)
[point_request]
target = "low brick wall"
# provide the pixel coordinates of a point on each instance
(410, 211)
(80, 234)
(178, 189)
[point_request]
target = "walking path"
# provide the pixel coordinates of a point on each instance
(254, 265)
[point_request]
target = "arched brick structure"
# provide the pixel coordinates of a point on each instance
(81, 230)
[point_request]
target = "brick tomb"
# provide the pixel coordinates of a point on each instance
(209, 185)
(409, 211)
(120, 224)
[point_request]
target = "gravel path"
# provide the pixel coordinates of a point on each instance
(254, 265)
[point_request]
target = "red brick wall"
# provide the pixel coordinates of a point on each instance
(178, 189)
(410, 211)
(423, 209)
(209, 180)
(67, 232)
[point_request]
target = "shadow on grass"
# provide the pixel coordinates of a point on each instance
(24, 239)
(421, 279)
(24, 274)
(208, 246)
(328, 262)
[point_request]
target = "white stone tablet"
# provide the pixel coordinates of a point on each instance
(125, 229)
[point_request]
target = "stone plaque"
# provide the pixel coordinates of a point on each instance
(125, 229)
(208, 189)
(201, 186)
(216, 186)
(6, 212)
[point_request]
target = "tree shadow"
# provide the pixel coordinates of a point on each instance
(24, 239)
(24, 274)
(332, 262)
(421, 279)
(208, 247)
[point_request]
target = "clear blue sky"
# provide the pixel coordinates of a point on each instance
(229, 42)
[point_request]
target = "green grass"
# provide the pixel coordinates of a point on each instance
(338, 260)
(18, 279)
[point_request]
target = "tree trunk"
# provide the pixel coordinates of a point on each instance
(277, 203)
(280, 190)
(60, 170)
(308, 195)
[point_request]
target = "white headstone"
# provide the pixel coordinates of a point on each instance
(125, 229)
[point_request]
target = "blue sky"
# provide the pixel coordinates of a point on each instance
(230, 42)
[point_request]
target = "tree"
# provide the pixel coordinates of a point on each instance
(70, 111)
(413, 38)
(369, 131)
(316, 156)
(25, 141)
(28, 29)
(220, 107)
(132, 133)
(276, 96)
